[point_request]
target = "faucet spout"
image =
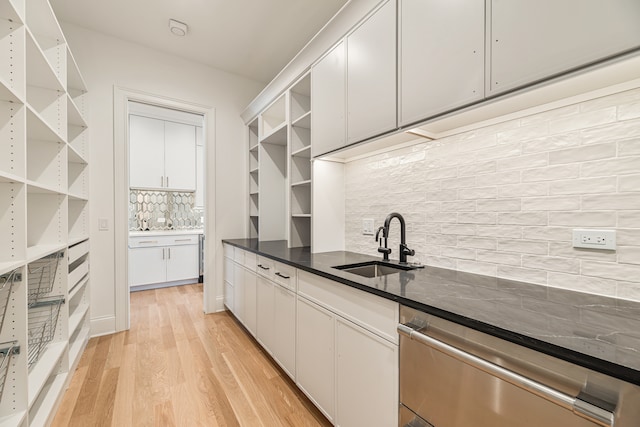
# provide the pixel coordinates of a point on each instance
(404, 249)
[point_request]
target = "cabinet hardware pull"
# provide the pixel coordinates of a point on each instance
(161, 181)
(167, 181)
(182, 240)
(284, 276)
(148, 241)
(263, 267)
(162, 253)
(169, 249)
(577, 405)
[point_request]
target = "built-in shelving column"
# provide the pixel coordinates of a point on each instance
(300, 163)
(272, 173)
(254, 183)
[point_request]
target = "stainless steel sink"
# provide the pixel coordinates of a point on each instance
(374, 268)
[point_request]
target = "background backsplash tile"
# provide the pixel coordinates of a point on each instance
(503, 200)
(162, 210)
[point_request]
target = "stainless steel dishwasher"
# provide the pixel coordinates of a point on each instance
(454, 376)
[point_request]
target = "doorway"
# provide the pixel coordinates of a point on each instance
(168, 204)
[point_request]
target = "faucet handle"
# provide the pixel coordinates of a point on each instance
(384, 250)
(406, 251)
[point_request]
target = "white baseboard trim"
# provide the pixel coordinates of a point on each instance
(103, 326)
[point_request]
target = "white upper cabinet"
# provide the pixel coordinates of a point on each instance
(441, 56)
(180, 156)
(328, 102)
(162, 154)
(146, 152)
(531, 41)
(371, 75)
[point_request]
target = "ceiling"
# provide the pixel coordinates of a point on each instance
(251, 38)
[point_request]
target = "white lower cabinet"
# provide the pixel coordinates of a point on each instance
(284, 343)
(265, 312)
(163, 259)
(238, 291)
(366, 377)
(250, 301)
(315, 355)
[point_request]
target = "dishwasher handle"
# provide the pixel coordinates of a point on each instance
(578, 406)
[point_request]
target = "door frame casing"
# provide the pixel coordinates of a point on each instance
(121, 98)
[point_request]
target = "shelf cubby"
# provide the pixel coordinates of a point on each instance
(300, 167)
(78, 140)
(12, 223)
(300, 139)
(273, 191)
(46, 164)
(12, 137)
(46, 31)
(12, 39)
(254, 227)
(300, 229)
(78, 219)
(300, 103)
(274, 117)
(46, 219)
(301, 198)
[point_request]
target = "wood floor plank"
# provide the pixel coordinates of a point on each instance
(177, 366)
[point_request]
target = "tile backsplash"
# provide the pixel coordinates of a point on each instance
(163, 210)
(503, 200)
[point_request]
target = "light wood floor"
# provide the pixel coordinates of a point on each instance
(177, 366)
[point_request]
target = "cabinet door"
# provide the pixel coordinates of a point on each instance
(328, 103)
(250, 300)
(265, 316)
(147, 265)
(182, 262)
(180, 156)
(367, 377)
(238, 291)
(371, 75)
(534, 40)
(146, 152)
(315, 355)
(441, 67)
(284, 350)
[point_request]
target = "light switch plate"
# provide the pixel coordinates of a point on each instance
(103, 224)
(367, 226)
(594, 239)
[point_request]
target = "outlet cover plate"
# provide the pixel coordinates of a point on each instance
(594, 239)
(367, 226)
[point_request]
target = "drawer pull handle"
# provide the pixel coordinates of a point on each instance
(182, 240)
(148, 241)
(263, 267)
(284, 276)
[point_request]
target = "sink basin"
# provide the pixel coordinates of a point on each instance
(374, 268)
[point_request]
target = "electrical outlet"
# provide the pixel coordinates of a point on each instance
(594, 239)
(367, 226)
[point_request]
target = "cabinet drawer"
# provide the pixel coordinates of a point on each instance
(285, 275)
(163, 240)
(250, 260)
(266, 267)
(185, 239)
(227, 250)
(238, 255)
(146, 242)
(374, 313)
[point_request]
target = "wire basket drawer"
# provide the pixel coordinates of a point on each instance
(6, 286)
(7, 350)
(42, 276)
(43, 320)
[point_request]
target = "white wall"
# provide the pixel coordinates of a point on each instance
(503, 200)
(106, 62)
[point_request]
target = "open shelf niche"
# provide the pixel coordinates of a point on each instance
(254, 183)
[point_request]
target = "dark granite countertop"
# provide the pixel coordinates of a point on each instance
(597, 332)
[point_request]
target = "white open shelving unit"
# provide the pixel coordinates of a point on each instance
(44, 195)
(280, 168)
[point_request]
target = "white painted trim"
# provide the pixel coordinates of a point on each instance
(121, 97)
(102, 326)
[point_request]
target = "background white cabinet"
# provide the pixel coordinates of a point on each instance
(238, 291)
(315, 355)
(200, 163)
(371, 75)
(146, 152)
(161, 259)
(250, 301)
(162, 154)
(530, 41)
(328, 102)
(284, 343)
(440, 67)
(265, 313)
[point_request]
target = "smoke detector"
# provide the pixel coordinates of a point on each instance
(178, 28)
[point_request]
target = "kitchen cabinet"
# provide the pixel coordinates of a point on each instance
(160, 259)
(315, 361)
(366, 377)
(250, 301)
(371, 75)
(530, 41)
(162, 154)
(347, 352)
(328, 101)
(228, 277)
(265, 315)
(238, 291)
(440, 67)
